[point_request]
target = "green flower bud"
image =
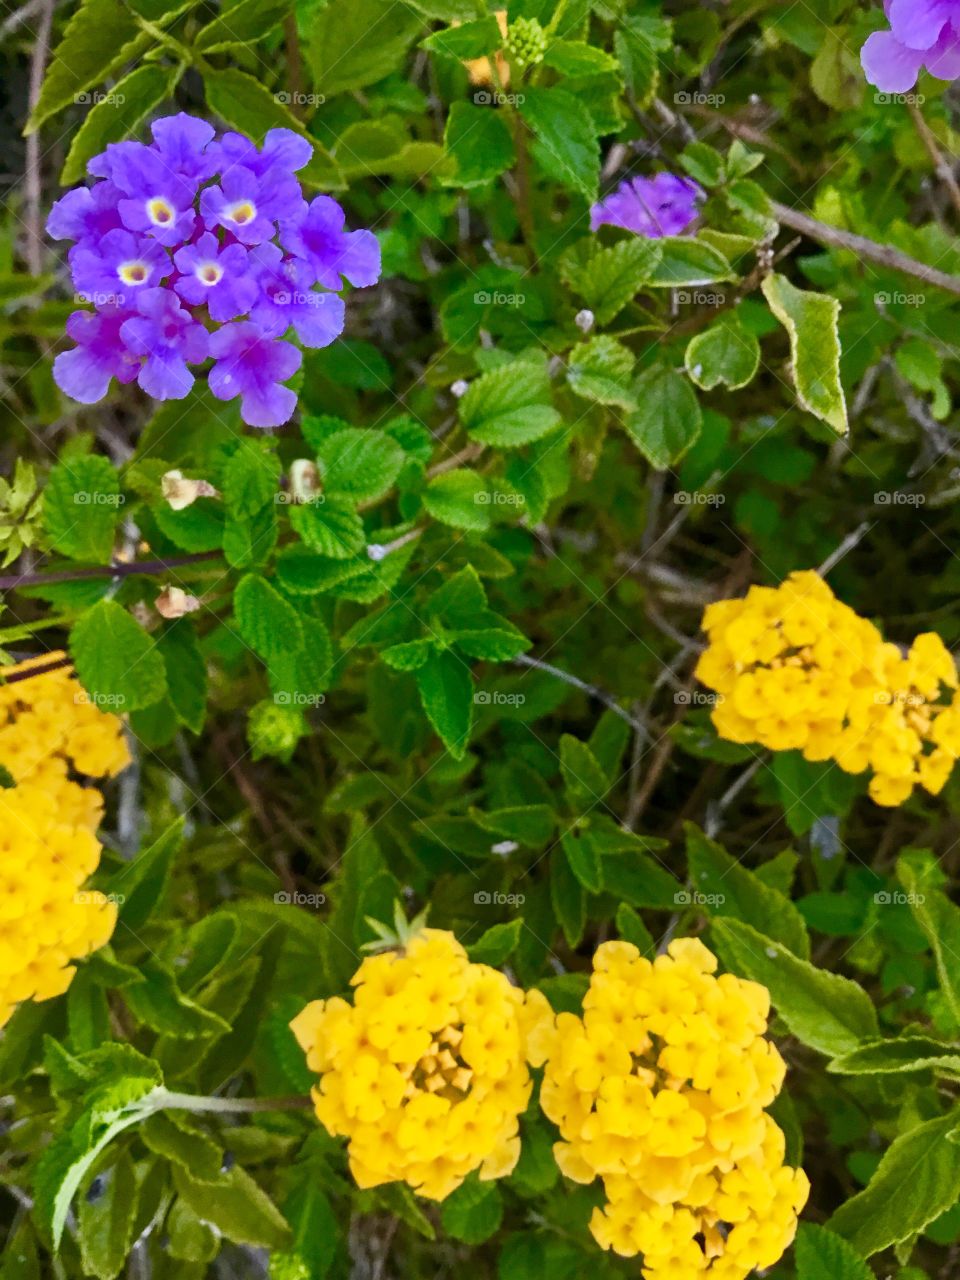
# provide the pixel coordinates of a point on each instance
(526, 42)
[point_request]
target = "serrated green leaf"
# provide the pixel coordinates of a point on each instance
(479, 144)
(446, 692)
(810, 319)
(496, 944)
(568, 147)
(267, 622)
(601, 370)
(473, 1212)
(105, 1223)
(726, 353)
(459, 498)
(667, 420)
(820, 1254)
(510, 406)
(117, 115)
(893, 1057)
(360, 463)
(331, 527)
(242, 23)
(119, 665)
(81, 506)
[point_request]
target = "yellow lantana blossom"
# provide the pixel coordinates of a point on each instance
(426, 1071)
(796, 669)
(660, 1089)
(48, 848)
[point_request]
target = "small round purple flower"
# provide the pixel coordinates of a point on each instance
(664, 205)
(248, 205)
(119, 267)
(283, 151)
(923, 33)
(86, 213)
(216, 276)
(183, 143)
(156, 199)
(84, 372)
(253, 367)
(288, 301)
(332, 253)
(170, 339)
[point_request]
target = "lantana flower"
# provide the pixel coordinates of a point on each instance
(426, 1071)
(665, 205)
(191, 232)
(923, 33)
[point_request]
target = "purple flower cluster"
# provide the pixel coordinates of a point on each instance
(923, 33)
(176, 250)
(664, 205)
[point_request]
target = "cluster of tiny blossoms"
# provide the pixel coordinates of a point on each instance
(48, 848)
(426, 1072)
(659, 1089)
(176, 248)
(795, 669)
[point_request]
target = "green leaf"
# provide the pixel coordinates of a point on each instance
(510, 406)
(243, 23)
(725, 888)
(530, 824)
(353, 46)
(236, 1206)
(584, 781)
(568, 899)
(576, 58)
(81, 506)
(473, 1212)
(468, 40)
(117, 115)
(917, 1179)
(267, 622)
(937, 916)
(105, 1224)
(607, 279)
(822, 1254)
(893, 1057)
(117, 662)
(601, 370)
(683, 261)
(446, 692)
(584, 859)
(186, 671)
(459, 498)
(632, 929)
(823, 1010)
(250, 479)
(811, 321)
(177, 1138)
(360, 463)
(496, 944)
(141, 883)
(100, 37)
(726, 353)
(159, 1002)
(568, 149)
(667, 420)
(836, 76)
(479, 143)
(331, 527)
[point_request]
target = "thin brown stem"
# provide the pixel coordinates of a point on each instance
(942, 166)
(122, 569)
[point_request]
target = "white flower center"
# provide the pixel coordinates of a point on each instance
(209, 273)
(242, 212)
(160, 212)
(133, 271)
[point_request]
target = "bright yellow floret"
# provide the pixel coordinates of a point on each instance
(795, 669)
(426, 1071)
(48, 849)
(660, 1089)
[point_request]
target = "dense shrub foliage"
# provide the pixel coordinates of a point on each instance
(478, 686)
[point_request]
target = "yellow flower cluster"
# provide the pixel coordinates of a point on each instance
(660, 1090)
(426, 1072)
(795, 669)
(48, 848)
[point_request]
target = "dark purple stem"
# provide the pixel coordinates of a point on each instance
(120, 570)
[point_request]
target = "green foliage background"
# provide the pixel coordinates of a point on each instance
(463, 680)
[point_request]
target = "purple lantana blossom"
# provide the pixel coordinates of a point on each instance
(664, 205)
(287, 300)
(218, 276)
(923, 33)
(180, 236)
(331, 252)
(253, 367)
(85, 371)
(113, 269)
(170, 339)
